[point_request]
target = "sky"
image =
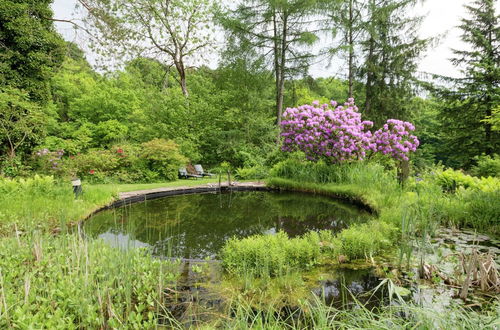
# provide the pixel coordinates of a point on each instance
(442, 17)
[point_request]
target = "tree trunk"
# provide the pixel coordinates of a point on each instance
(369, 77)
(351, 47)
(179, 65)
(12, 149)
(277, 73)
(489, 105)
(281, 87)
(12, 154)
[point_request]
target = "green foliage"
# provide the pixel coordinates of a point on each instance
(67, 282)
(163, 157)
(111, 131)
(31, 48)
(487, 166)
(388, 71)
(94, 165)
(449, 180)
(469, 106)
(250, 173)
(370, 174)
(319, 315)
(366, 240)
(476, 209)
(186, 25)
(44, 204)
(271, 255)
(455, 199)
(21, 121)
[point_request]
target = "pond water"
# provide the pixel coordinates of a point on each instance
(196, 226)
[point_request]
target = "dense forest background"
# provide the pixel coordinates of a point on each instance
(160, 106)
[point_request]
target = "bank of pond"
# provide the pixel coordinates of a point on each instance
(277, 248)
(312, 249)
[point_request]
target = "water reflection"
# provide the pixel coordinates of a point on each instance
(196, 226)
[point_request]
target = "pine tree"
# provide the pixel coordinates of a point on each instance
(346, 17)
(285, 30)
(474, 98)
(391, 49)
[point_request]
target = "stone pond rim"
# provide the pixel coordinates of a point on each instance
(131, 197)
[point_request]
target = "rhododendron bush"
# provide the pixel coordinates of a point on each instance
(338, 134)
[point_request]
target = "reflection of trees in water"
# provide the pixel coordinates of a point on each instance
(196, 226)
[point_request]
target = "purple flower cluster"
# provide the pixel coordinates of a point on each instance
(394, 138)
(337, 133)
(53, 157)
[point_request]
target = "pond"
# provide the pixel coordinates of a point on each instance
(195, 227)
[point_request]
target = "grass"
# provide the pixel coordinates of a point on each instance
(51, 278)
(49, 205)
(316, 315)
(146, 186)
(68, 282)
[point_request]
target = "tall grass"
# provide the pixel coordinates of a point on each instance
(66, 282)
(314, 314)
(51, 278)
(41, 203)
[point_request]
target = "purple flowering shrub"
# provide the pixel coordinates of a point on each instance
(338, 134)
(394, 139)
(48, 162)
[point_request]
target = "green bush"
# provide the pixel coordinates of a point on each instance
(94, 165)
(487, 166)
(130, 163)
(163, 157)
(450, 180)
(250, 173)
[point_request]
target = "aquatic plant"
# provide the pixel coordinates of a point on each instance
(271, 255)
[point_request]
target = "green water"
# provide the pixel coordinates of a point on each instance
(196, 226)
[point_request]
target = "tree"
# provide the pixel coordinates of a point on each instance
(348, 19)
(471, 104)
(176, 31)
(284, 29)
(30, 48)
(391, 48)
(20, 119)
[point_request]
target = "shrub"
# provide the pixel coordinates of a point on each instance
(110, 131)
(94, 165)
(449, 180)
(248, 173)
(163, 156)
(49, 162)
(337, 134)
(487, 166)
